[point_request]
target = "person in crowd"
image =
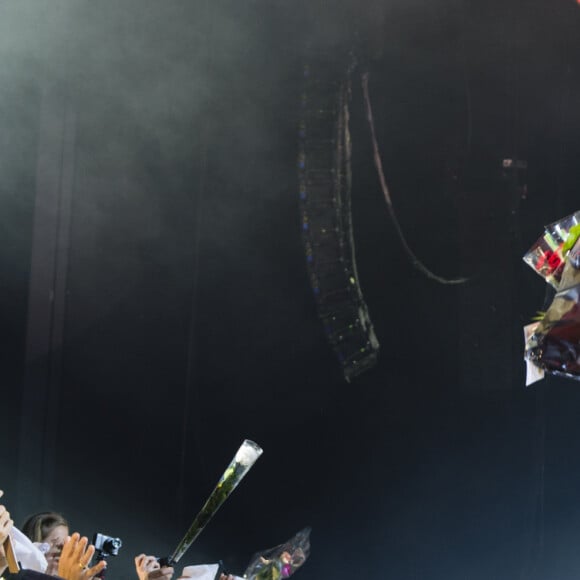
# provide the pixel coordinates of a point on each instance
(52, 528)
(48, 528)
(72, 564)
(69, 557)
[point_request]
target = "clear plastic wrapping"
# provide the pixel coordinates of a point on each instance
(281, 561)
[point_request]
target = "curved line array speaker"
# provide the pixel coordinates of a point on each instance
(324, 172)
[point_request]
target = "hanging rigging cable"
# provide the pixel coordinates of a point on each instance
(379, 166)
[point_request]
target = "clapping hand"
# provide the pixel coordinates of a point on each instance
(75, 559)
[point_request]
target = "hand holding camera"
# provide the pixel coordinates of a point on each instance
(148, 568)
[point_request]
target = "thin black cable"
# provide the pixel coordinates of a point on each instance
(417, 263)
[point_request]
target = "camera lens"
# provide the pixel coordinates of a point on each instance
(112, 546)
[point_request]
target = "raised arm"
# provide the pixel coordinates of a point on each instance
(6, 524)
(75, 557)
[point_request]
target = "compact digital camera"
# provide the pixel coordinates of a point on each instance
(106, 546)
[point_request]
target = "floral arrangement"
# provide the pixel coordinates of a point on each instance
(282, 561)
(553, 340)
(245, 457)
(548, 255)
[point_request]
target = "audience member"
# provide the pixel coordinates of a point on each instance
(48, 528)
(70, 557)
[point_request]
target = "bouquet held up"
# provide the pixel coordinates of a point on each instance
(553, 341)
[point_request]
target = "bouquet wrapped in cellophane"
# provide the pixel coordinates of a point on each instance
(553, 341)
(282, 561)
(547, 256)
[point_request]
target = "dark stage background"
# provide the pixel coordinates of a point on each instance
(183, 320)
